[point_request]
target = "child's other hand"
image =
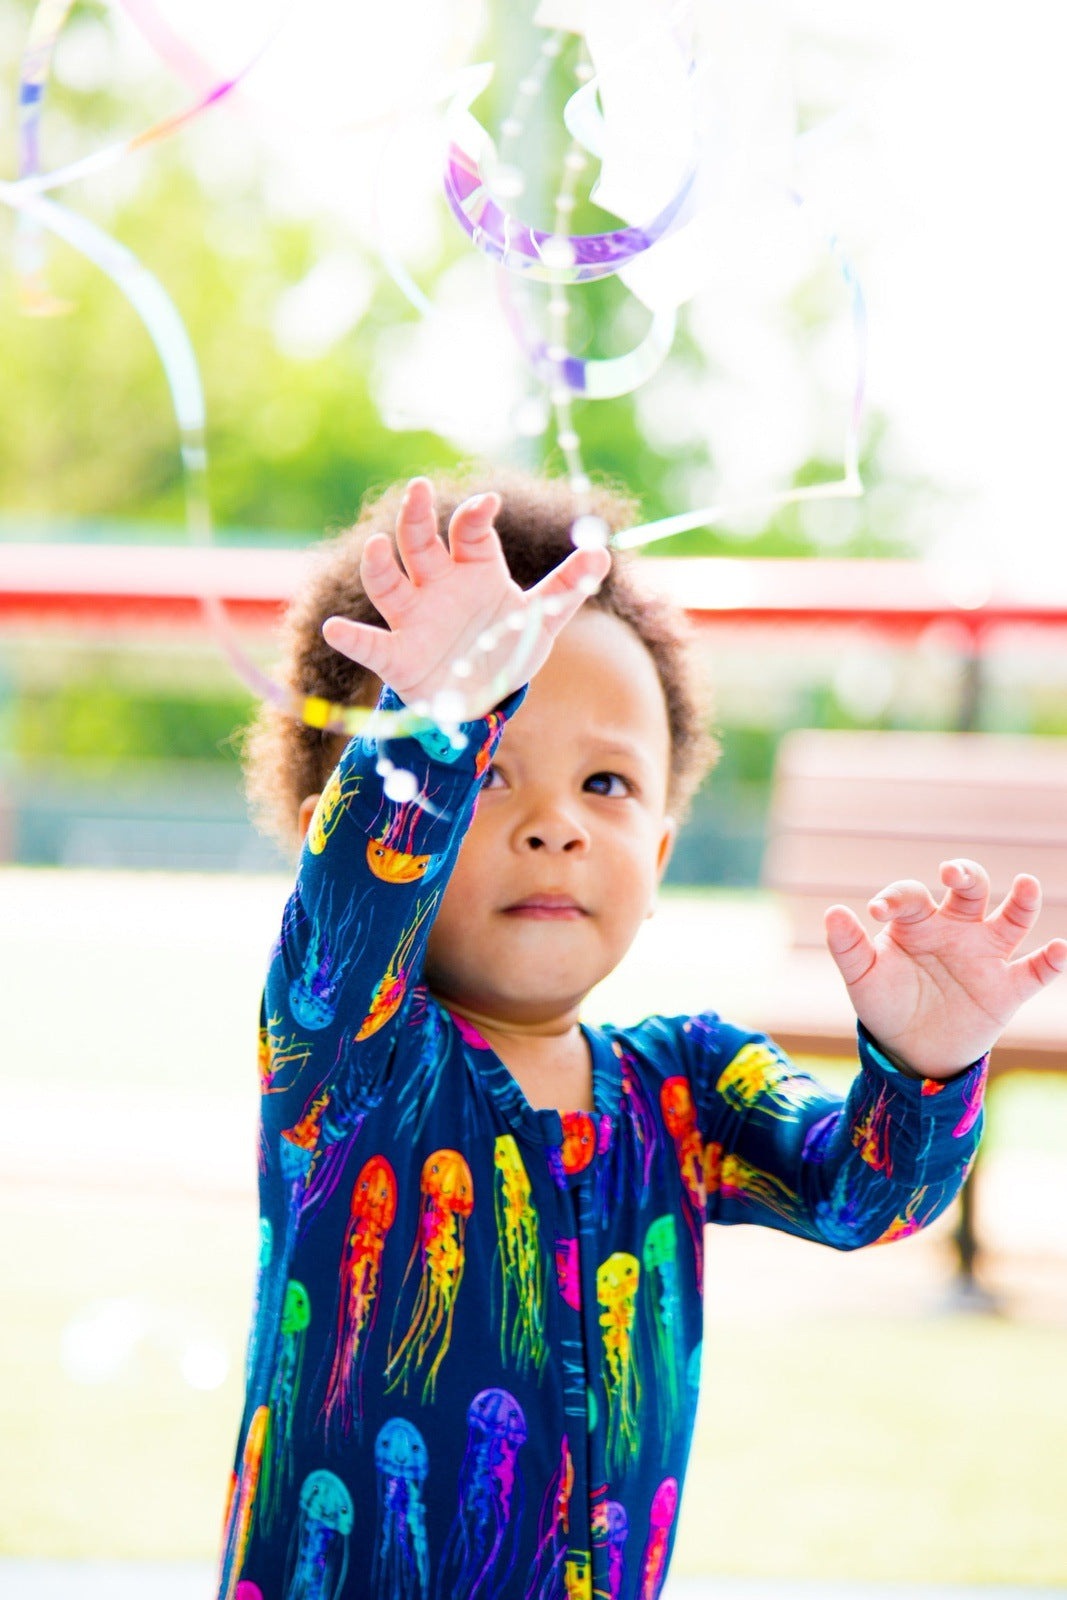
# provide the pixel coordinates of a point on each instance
(938, 985)
(439, 599)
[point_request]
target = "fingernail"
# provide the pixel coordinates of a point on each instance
(879, 905)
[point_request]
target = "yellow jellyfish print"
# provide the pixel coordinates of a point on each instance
(871, 1136)
(447, 1201)
(389, 854)
(578, 1575)
(522, 1334)
(909, 1221)
(742, 1181)
(330, 808)
(392, 985)
(277, 1052)
(616, 1290)
(758, 1079)
(242, 1503)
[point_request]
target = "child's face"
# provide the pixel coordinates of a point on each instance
(570, 837)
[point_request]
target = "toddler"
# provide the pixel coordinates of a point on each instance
(476, 1345)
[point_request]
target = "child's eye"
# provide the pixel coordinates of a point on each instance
(492, 778)
(609, 784)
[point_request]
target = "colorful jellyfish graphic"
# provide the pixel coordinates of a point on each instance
(315, 991)
(389, 854)
(664, 1302)
(610, 1528)
(871, 1135)
(266, 1250)
(401, 1553)
(661, 1517)
(908, 1222)
(420, 1086)
(972, 1103)
(617, 1281)
(484, 755)
(318, 1556)
(447, 1201)
(522, 1337)
(372, 1214)
(740, 1180)
(330, 808)
(392, 985)
(246, 1590)
(578, 1575)
(759, 1079)
(567, 1272)
(242, 1504)
(679, 1113)
(284, 1394)
(638, 1119)
(579, 1141)
(479, 1551)
(553, 1530)
(277, 1053)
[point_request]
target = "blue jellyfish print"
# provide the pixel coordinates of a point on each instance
(318, 1553)
(314, 992)
(266, 1249)
(479, 1552)
(401, 1554)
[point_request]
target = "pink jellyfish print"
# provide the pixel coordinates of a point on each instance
(247, 1590)
(389, 853)
(617, 1279)
(372, 1214)
(392, 985)
(568, 1275)
(479, 1551)
(553, 1530)
(519, 1253)
(447, 1201)
(611, 1527)
(318, 1557)
(284, 1394)
(242, 1504)
(972, 1103)
(401, 1552)
(660, 1521)
(679, 1113)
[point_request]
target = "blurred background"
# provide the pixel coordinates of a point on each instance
(348, 335)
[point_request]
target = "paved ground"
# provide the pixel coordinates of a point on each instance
(60, 1581)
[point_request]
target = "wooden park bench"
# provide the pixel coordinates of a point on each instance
(852, 811)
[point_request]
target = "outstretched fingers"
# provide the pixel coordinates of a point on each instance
(1036, 971)
(849, 944)
(471, 535)
(1018, 911)
(967, 883)
(569, 585)
(417, 539)
(906, 902)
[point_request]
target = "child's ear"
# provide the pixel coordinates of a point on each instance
(305, 814)
(663, 852)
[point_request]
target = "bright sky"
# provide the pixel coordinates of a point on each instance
(940, 172)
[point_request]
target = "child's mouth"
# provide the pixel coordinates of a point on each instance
(546, 908)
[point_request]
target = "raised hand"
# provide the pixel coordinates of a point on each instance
(440, 600)
(938, 985)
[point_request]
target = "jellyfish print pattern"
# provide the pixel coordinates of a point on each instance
(401, 1569)
(611, 1527)
(392, 985)
(389, 853)
(522, 1337)
(447, 1190)
(479, 1551)
(284, 1395)
(318, 1557)
(553, 1531)
(757, 1078)
(372, 1213)
(338, 791)
(266, 1250)
(242, 1504)
(679, 1113)
(663, 1298)
(661, 1517)
(871, 1135)
(315, 992)
(617, 1282)
(740, 1180)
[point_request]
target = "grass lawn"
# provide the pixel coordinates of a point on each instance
(875, 1437)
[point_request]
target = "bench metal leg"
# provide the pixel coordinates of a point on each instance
(966, 1292)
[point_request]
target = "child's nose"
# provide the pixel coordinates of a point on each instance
(552, 826)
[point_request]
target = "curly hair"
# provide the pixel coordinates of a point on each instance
(285, 761)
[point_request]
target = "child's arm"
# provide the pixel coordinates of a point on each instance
(939, 984)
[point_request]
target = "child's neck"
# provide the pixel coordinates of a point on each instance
(550, 1061)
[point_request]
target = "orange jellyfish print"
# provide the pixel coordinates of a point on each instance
(522, 1336)
(389, 854)
(242, 1503)
(872, 1133)
(447, 1201)
(392, 985)
(330, 808)
(616, 1291)
(372, 1214)
(661, 1517)
(579, 1141)
(758, 1079)
(908, 1222)
(679, 1113)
